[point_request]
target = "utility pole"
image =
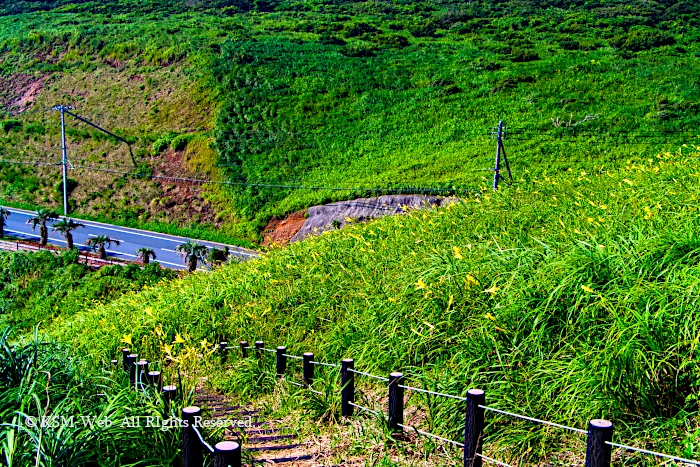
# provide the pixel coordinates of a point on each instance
(500, 134)
(65, 109)
(64, 159)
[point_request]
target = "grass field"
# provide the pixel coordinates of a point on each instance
(571, 297)
(353, 95)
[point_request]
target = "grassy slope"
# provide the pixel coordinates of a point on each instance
(570, 297)
(36, 287)
(349, 94)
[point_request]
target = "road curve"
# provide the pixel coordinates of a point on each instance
(130, 239)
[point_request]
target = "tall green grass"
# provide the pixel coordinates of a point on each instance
(46, 398)
(567, 297)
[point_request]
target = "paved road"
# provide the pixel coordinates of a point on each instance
(131, 239)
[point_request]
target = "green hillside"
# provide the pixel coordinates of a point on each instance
(573, 296)
(360, 97)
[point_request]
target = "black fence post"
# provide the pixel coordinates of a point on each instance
(259, 345)
(155, 379)
(347, 380)
(598, 452)
(192, 449)
(114, 364)
(474, 428)
(131, 365)
(395, 401)
(281, 361)
(125, 355)
(227, 454)
(244, 349)
(169, 395)
(141, 372)
(223, 350)
(308, 368)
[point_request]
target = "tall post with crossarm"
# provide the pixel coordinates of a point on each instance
(500, 154)
(497, 166)
(64, 158)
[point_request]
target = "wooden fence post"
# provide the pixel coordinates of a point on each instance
(223, 350)
(155, 378)
(281, 361)
(169, 395)
(131, 365)
(598, 452)
(192, 449)
(347, 380)
(125, 354)
(395, 401)
(227, 454)
(308, 368)
(474, 427)
(140, 373)
(244, 349)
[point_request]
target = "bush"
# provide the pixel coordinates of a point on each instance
(162, 143)
(639, 39)
(10, 124)
(179, 143)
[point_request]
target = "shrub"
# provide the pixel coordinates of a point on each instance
(10, 124)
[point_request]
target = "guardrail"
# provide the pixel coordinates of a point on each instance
(599, 433)
(85, 259)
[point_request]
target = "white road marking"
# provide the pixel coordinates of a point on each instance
(171, 251)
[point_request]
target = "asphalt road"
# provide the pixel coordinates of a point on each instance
(130, 239)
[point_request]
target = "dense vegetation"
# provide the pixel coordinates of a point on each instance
(54, 413)
(574, 296)
(349, 95)
(38, 287)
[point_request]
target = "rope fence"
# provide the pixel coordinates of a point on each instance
(599, 435)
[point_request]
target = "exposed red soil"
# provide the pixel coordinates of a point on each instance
(183, 200)
(280, 231)
(19, 91)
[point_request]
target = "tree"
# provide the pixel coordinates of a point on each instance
(99, 244)
(41, 217)
(3, 217)
(218, 256)
(66, 227)
(193, 253)
(145, 255)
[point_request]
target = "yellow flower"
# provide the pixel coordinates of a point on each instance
(492, 290)
(469, 280)
(126, 338)
(178, 339)
(457, 252)
(148, 311)
(204, 343)
(167, 349)
(421, 285)
(648, 213)
(587, 289)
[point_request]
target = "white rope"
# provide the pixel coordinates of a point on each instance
(653, 453)
(206, 445)
(325, 364)
(268, 350)
(293, 356)
(364, 408)
(536, 420)
(494, 461)
(381, 378)
(295, 383)
(430, 435)
(433, 393)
